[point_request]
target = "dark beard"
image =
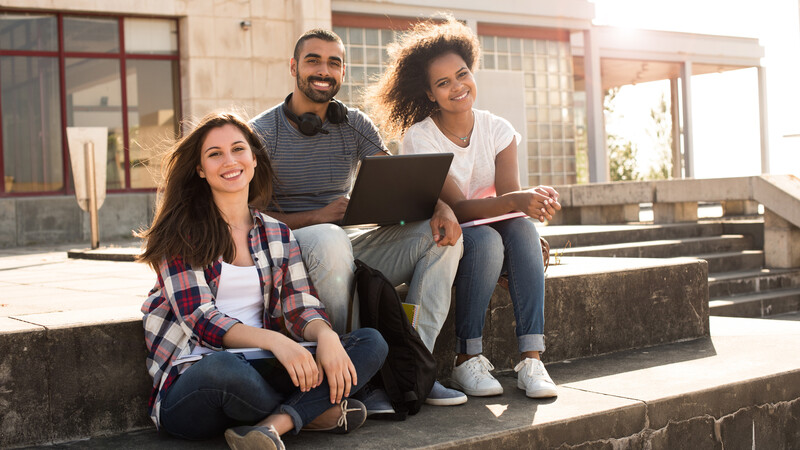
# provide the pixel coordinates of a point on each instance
(314, 95)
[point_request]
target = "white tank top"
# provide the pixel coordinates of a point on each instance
(239, 296)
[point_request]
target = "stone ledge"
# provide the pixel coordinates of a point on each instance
(693, 394)
(594, 306)
(598, 305)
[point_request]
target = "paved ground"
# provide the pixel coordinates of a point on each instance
(38, 280)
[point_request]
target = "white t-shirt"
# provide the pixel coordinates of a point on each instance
(473, 167)
(239, 296)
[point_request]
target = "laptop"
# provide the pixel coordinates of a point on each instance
(396, 189)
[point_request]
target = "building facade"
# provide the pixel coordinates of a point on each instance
(144, 69)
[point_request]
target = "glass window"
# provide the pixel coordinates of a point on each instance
(487, 43)
(152, 87)
(356, 55)
(94, 99)
(488, 62)
(31, 109)
(373, 56)
(387, 36)
(371, 36)
(502, 62)
(151, 36)
(91, 35)
(356, 36)
(502, 44)
(28, 32)
(43, 91)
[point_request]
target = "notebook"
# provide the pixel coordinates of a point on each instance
(396, 189)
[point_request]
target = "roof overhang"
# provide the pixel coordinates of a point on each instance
(630, 56)
(562, 14)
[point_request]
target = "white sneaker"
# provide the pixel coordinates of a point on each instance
(473, 377)
(533, 378)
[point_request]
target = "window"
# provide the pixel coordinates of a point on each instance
(549, 90)
(69, 70)
(544, 58)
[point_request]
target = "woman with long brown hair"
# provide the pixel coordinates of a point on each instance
(230, 277)
(427, 94)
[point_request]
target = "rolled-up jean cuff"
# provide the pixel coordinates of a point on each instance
(531, 343)
(298, 422)
(472, 346)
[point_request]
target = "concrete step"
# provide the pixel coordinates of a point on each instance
(595, 306)
(697, 394)
(758, 304)
(590, 235)
(746, 281)
(665, 248)
(733, 261)
(74, 374)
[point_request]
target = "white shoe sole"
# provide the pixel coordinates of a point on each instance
(541, 393)
(452, 401)
(497, 390)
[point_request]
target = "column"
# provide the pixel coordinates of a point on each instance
(686, 91)
(595, 125)
(675, 114)
(762, 116)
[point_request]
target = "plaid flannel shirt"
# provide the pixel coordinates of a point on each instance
(180, 312)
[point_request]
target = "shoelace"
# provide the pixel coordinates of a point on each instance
(343, 418)
(530, 367)
(481, 362)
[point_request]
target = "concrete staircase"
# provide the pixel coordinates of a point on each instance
(630, 344)
(739, 284)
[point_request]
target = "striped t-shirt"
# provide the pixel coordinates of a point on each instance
(312, 171)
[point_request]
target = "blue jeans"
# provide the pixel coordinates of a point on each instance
(403, 253)
(224, 390)
(512, 247)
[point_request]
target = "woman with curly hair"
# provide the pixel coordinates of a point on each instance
(427, 94)
(231, 277)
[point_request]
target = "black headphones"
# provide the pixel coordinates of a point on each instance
(310, 124)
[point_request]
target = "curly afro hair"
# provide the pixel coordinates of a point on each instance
(400, 97)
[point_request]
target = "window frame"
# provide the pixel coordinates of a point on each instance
(122, 57)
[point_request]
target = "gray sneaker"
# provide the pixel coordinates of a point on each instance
(441, 396)
(375, 399)
(253, 438)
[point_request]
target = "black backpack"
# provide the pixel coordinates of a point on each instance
(409, 371)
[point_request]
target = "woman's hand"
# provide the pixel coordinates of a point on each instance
(540, 202)
(297, 361)
(334, 362)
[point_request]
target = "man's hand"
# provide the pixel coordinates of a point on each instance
(333, 212)
(444, 219)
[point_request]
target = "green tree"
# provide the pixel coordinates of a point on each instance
(662, 135)
(622, 152)
(622, 159)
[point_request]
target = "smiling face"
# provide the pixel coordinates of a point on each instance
(319, 71)
(451, 84)
(226, 160)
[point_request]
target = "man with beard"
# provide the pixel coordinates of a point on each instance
(314, 144)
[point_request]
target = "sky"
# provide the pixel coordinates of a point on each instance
(724, 105)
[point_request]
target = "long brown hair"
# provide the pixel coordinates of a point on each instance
(400, 97)
(187, 222)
